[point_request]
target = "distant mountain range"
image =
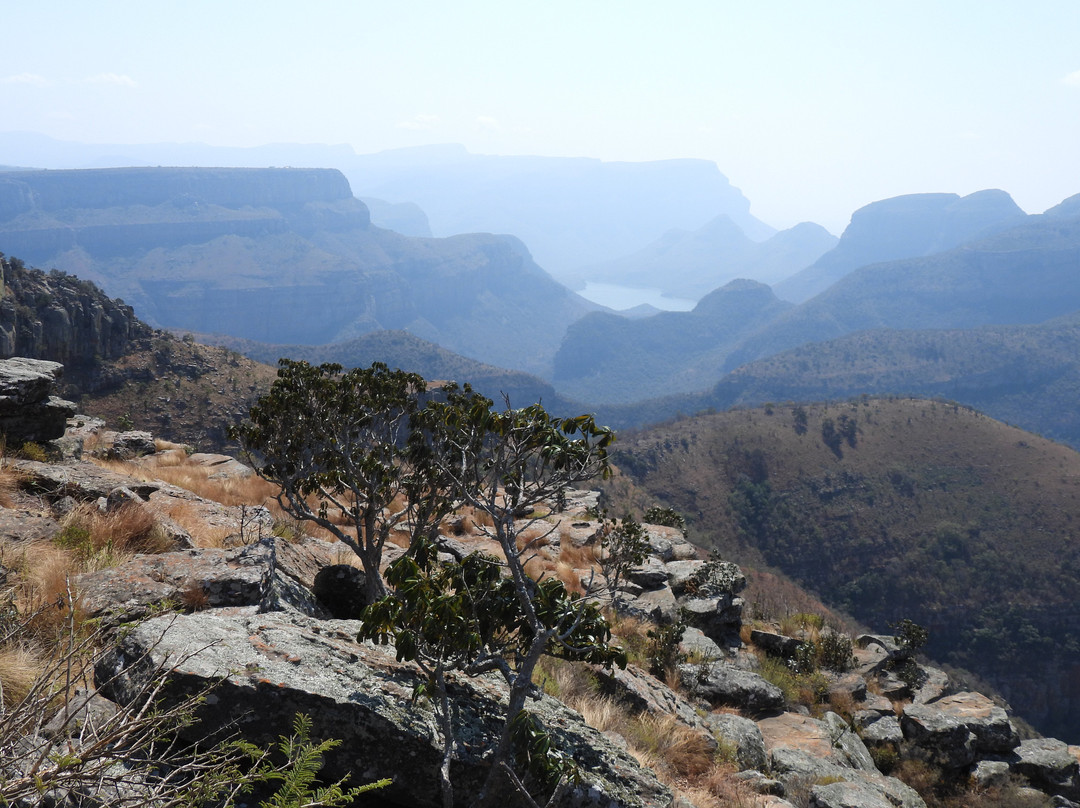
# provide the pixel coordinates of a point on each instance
(282, 256)
(1026, 271)
(903, 227)
(569, 212)
(690, 264)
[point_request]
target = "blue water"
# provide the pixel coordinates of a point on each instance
(626, 297)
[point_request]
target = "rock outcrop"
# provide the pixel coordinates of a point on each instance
(28, 409)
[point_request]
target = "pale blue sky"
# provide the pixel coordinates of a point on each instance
(813, 109)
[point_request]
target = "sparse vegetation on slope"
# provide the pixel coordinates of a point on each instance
(891, 508)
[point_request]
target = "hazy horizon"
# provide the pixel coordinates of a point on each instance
(811, 112)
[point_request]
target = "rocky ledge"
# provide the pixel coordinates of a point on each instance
(264, 623)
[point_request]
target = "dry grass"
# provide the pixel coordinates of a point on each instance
(582, 557)
(9, 484)
(203, 534)
(20, 667)
(104, 539)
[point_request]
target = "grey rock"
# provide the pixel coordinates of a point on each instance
(876, 729)
(721, 683)
(850, 684)
(990, 773)
(657, 605)
(761, 783)
(1048, 765)
(272, 666)
(681, 572)
(83, 481)
(131, 444)
(121, 496)
(938, 737)
(28, 409)
(935, 685)
(695, 643)
(644, 693)
(848, 743)
(743, 736)
(988, 723)
(23, 527)
(650, 575)
(775, 644)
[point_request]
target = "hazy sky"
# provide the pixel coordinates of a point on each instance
(812, 108)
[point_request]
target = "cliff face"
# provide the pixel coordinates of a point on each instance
(60, 318)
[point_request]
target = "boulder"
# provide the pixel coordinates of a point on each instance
(742, 736)
(270, 667)
(938, 737)
(989, 724)
(877, 729)
(1049, 765)
(28, 409)
(650, 575)
(82, 481)
(720, 683)
(681, 572)
(720, 617)
(270, 575)
(830, 740)
(23, 526)
(644, 693)
(695, 644)
(935, 684)
(657, 605)
(803, 756)
(131, 444)
(775, 644)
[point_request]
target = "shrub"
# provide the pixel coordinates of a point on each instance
(667, 517)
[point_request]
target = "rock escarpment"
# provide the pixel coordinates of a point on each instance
(59, 318)
(282, 256)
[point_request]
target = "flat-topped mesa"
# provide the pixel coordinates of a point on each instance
(120, 187)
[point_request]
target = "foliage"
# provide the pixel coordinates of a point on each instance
(337, 442)
(662, 651)
(668, 517)
(468, 616)
(623, 546)
(296, 773)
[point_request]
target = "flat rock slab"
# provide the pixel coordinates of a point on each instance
(272, 666)
(829, 740)
(1049, 764)
(82, 481)
(23, 527)
(721, 683)
(942, 738)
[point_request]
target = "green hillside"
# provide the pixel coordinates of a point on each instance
(1024, 375)
(892, 508)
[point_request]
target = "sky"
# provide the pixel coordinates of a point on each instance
(813, 109)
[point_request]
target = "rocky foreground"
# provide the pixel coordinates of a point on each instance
(267, 622)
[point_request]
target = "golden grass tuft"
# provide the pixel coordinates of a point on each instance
(203, 534)
(20, 667)
(102, 539)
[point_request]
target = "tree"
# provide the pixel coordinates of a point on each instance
(482, 613)
(337, 446)
(622, 547)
